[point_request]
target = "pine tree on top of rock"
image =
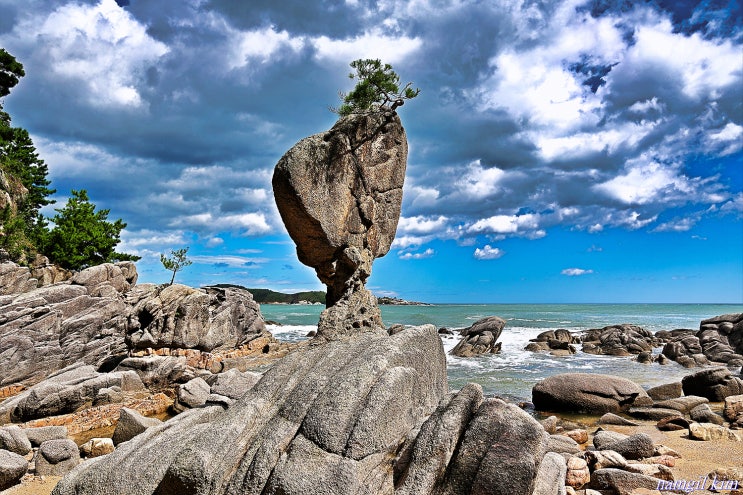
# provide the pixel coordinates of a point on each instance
(377, 90)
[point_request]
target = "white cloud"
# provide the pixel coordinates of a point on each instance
(488, 253)
(479, 182)
(260, 45)
(506, 224)
(418, 256)
(229, 260)
(729, 137)
(677, 225)
(647, 182)
(575, 272)
(101, 47)
(214, 242)
(407, 241)
(372, 44)
(421, 224)
(245, 223)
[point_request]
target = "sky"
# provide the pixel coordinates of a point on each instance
(559, 151)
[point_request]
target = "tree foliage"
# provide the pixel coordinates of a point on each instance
(83, 237)
(377, 90)
(176, 261)
(11, 71)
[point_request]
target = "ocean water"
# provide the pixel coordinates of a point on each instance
(514, 371)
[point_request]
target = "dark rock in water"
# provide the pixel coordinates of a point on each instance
(666, 391)
(445, 331)
(12, 468)
(613, 419)
(721, 339)
(645, 357)
(56, 457)
(619, 340)
(588, 393)
(480, 338)
(715, 384)
(324, 420)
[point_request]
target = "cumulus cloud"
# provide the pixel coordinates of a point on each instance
(488, 252)
(576, 272)
(417, 256)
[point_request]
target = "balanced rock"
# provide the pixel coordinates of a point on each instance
(588, 393)
(480, 338)
(339, 194)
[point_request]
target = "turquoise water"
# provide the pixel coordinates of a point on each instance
(513, 372)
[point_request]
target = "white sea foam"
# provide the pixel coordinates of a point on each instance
(291, 333)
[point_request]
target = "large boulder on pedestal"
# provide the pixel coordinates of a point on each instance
(339, 194)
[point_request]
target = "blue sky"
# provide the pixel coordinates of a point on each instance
(560, 151)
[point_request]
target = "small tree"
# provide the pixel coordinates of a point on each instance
(175, 261)
(83, 237)
(377, 89)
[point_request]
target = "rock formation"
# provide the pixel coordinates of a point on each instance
(619, 340)
(588, 393)
(339, 194)
(480, 338)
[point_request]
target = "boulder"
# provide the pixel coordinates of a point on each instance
(733, 407)
(180, 317)
(55, 326)
(233, 383)
(551, 475)
(587, 393)
(613, 419)
(577, 473)
(67, 391)
(109, 395)
(729, 328)
(96, 447)
(480, 338)
(603, 438)
(653, 413)
(14, 439)
(16, 279)
(620, 481)
(562, 444)
(637, 446)
(682, 404)
(714, 383)
(12, 468)
(673, 423)
(56, 457)
(601, 459)
(579, 435)
(703, 414)
(41, 434)
(710, 431)
(131, 424)
(191, 394)
(619, 340)
(686, 350)
(339, 195)
(328, 419)
(666, 391)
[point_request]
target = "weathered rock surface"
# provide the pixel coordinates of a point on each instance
(719, 339)
(703, 414)
(683, 404)
(233, 384)
(12, 468)
(52, 327)
(56, 457)
(325, 420)
(480, 338)
(733, 407)
(588, 393)
(181, 317)
(131, 424)
(619, 340)
(191, 394)
(96, 447)
(613, 419)
(66, 391)
(339, 194)
(666, 391)
(39, 435)
(622, 482)
(551, 476)
(711, 431)
(713, 383)
(14, 439)
(637, 446)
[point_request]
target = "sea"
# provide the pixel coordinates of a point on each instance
(512, 373)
